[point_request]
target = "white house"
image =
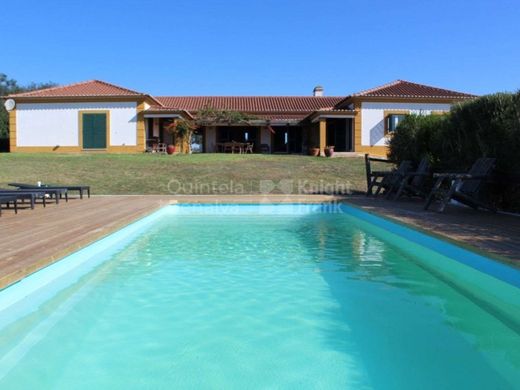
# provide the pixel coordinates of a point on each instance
(95, 116)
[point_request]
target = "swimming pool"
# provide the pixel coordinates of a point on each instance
(264, 296)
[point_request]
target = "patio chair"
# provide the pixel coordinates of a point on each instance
(228, 147)
(464, 187)
(237, 147)
(150, 145)
(248, 148)
(162, 148)
(7, 200)
(386, 180)
(80, 188)
(413, 183)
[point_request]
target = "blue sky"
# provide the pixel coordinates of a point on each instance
(264, 47)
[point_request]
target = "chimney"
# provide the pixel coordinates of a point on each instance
(317, 91)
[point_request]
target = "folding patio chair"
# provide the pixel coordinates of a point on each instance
(464, 187)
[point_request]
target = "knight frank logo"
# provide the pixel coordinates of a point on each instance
(284, 186)
(288, 186)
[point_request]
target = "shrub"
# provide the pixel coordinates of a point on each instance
(417, 137)
(485, 127)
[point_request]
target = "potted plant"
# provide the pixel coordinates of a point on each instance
(181, 130)
(329, 151)
(170, 149)
(314, 152)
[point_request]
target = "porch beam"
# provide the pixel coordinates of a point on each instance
(320, 117)
(176, 116)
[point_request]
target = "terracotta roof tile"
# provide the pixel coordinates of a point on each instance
(251, 104)
(282, 117)
(83, 89)
(407, 89)
(272, 116)
(268, 107)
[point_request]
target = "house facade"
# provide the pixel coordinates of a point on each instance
(95, 116)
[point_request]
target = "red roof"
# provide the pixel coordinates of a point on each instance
(251, 104)
(407, 89)
(282, 117)
(272, 116)
(266, 107)
(83, 89)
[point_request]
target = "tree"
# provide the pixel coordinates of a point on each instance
(9, 86)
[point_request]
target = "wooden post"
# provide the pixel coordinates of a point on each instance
(323, 135)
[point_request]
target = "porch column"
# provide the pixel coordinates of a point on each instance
(323, 135)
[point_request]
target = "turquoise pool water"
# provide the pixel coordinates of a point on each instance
(290, 296)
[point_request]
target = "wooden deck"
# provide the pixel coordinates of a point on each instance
(35, 238)
(497, 234)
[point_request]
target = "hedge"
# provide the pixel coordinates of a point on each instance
(488, 126)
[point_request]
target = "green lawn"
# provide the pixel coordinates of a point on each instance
(186, 174)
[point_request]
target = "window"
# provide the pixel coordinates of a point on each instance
(392, 121)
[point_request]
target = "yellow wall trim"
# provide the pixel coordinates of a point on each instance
(386, 113)
(12, 130)
(141, 129)
(75, 149)
(381, 151)
(323, 135)
(357, 127)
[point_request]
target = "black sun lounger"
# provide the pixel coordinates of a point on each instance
(80, 188)
(57, 193)
(7, 200)
(34, 194)
(23, 195)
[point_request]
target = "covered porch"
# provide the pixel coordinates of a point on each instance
(157, 123)
(333, 128)
(261, 136)
(273, 136)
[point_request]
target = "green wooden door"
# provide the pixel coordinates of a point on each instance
(94, 131)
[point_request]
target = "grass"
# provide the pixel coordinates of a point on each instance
(186, 174)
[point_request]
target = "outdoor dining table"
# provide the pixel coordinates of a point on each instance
(239, 147)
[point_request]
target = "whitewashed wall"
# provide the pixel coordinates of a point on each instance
(372, 118)
(57, 124)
